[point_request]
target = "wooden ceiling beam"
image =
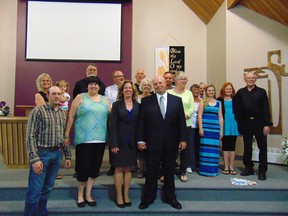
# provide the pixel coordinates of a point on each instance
(273, 9)
(204, 9)
(231, 3)
(276, 9)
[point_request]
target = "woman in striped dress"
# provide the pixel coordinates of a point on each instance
(210, 129)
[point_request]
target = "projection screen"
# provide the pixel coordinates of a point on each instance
(73, 31)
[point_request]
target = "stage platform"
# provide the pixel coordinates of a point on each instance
(199, 196)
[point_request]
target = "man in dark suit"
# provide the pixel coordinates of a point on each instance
(162, 130)
(81, 85)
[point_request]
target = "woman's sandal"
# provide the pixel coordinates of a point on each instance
(183, 177)
(59, 176)
(226, 172)
(232, 172)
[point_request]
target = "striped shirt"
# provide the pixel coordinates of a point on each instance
(45, 128)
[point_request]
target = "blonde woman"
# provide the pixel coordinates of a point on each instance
(43, 83)
(146, 87)
(210, 122)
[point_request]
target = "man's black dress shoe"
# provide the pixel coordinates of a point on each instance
(143, 205)
(247, 172)
(262, 176)
(111, 171)
(81, 204)
(175, 204)
(90, 203)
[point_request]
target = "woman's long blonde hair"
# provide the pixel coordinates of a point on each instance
(39, 79)
(205, 98)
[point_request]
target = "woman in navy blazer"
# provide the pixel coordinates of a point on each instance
(122, 132)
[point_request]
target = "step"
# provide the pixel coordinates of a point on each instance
(107, 207)
(190, 194)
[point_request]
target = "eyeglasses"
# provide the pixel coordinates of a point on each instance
(119, 76)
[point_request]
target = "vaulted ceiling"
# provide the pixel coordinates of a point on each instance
(273, 9)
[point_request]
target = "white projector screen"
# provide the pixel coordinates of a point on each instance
(73, 31)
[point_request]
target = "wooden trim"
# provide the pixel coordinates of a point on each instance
(231, 3)
(12, 141)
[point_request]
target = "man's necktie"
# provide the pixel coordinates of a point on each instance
(162, 106)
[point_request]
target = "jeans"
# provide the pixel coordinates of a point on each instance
(39, 186)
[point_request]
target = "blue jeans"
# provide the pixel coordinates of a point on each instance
(39, 186)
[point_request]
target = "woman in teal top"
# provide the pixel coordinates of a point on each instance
(230, 129)
(188, 105)
(91, 111)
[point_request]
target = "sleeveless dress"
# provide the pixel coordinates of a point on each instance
(210, 142)
(91, 121)
(230, 124)
(44, 95)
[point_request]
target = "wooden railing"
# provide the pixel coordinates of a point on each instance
(12, 141)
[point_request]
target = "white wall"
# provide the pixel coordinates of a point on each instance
(153, 21)
(8, 20)
(216, 49)
(249, 37)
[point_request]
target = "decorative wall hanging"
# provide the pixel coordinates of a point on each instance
(169, 58)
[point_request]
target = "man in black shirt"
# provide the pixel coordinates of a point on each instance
(81, 85)
(253, 116)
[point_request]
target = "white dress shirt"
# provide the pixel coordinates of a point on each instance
(111, 93)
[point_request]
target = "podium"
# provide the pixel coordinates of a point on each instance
(26, 108)
(12, 141)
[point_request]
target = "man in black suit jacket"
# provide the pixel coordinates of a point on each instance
(161, 137)
(81, 85)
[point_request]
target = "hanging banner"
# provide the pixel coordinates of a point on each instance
(169, 58)
(176, 58)
(161, 60)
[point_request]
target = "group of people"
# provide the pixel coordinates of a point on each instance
(155, 124)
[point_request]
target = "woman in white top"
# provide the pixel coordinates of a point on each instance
(193, 148)
(146, 87)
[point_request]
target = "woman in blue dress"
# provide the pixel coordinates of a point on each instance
(210, 122)
(230, 130)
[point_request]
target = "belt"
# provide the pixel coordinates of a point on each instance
(48, 148)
